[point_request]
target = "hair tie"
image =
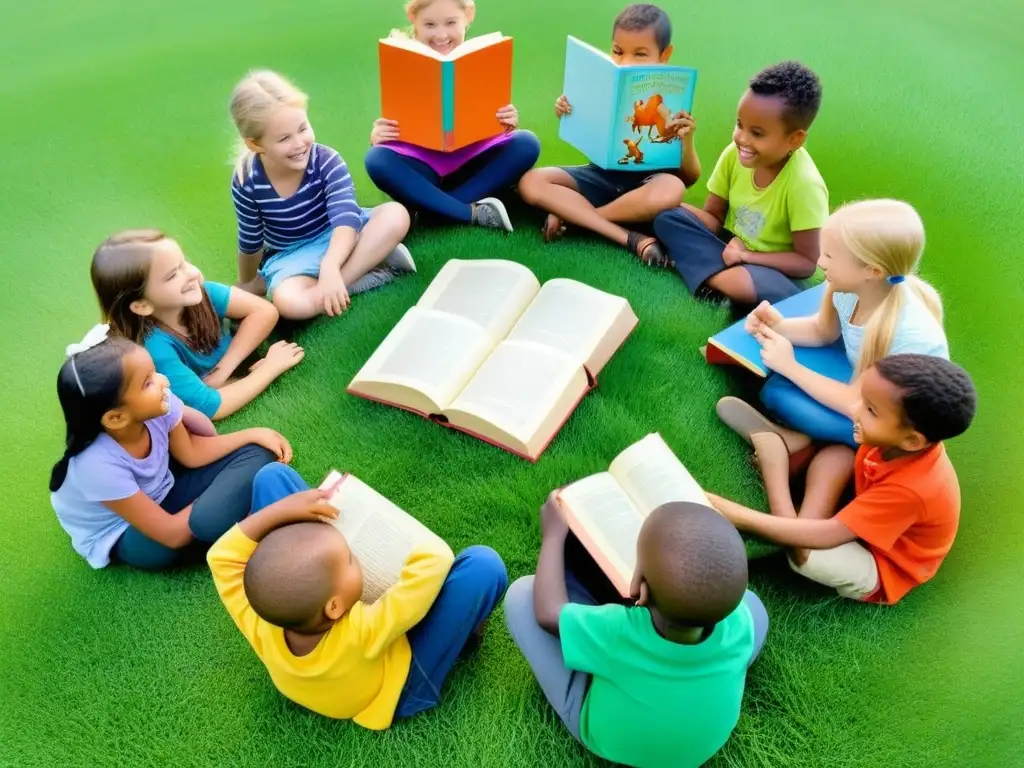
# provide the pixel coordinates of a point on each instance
(895, 279)
(96, 335)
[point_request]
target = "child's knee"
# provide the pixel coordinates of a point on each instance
(486, 567)
(276, 475)
(664, 193)
(527, 145)
(377, 162)
(395, 216)
(530, 185)
(519, 602)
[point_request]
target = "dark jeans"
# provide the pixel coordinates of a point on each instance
(220, 494)
(419, 187)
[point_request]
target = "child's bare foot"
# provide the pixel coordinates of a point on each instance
(771, 456)
(648, 250)
(553, 229)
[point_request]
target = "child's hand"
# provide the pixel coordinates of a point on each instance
(333, 295)
(562, 107)
(383, 130)
(734, 252)
(776, 350)
(508, 117)
(552, 517)
(272, 441)
(217, 378)
(682, 124)
(305, 507)
(763, 314)
(281, 356)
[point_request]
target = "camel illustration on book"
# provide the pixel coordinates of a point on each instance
(650, 115)
(632, 152)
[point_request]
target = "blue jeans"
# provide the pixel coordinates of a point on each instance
(473, 589)
(790, 405)
(419, 187)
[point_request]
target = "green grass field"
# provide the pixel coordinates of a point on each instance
(115, 116)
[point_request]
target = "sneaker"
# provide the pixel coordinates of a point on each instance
(400, 260)
(375, 278)
(490, 212)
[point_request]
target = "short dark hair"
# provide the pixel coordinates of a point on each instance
(797, 86)
(938, 397)
(640, 16)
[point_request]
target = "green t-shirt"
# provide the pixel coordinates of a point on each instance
(765, 219)
(651, 702)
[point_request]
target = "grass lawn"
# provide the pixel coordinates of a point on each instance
(115, 116)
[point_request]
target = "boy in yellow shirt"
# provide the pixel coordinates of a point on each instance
(292, 586)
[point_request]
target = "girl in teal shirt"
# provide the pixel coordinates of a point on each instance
(150, 294)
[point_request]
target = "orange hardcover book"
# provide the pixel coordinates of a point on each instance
(448, 101)
(606, 510)
(489, 351)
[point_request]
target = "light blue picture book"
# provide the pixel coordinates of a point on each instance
(734, 345)
(619, 114)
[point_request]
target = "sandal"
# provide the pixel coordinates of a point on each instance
(648, 250)
(553, 229)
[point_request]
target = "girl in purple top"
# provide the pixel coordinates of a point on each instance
(115, 491)
(455, 186)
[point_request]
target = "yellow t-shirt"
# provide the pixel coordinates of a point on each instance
(361, 664)
(765, 219)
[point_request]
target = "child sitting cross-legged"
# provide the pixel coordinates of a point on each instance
(292, 586)
(901, 524)
(658, 683)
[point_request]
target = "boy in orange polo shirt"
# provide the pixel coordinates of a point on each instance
(900, 525)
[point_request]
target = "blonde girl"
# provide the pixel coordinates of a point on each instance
(455, 186)
(302, 237)
(870, 252)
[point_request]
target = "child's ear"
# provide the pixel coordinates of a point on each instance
(253, 146)
(114, 419)
(913, 441)
(665, 55)
(470, 14)
(797, 139)
(141, 307)
(335, 608)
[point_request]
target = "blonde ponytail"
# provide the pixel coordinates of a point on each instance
(253, 101)
(889, 235)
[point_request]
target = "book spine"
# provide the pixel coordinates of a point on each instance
(448, 105)
(612, 151)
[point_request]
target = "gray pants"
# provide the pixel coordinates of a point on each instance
(565, 688)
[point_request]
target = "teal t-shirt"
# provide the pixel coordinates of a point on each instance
(653, 703)
(183, 366)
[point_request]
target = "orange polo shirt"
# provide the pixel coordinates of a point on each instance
(906, 511)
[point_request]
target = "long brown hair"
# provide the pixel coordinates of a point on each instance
(120, 271)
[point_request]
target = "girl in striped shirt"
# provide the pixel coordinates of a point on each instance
(302, 238)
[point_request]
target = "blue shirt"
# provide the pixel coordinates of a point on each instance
(107, 472)
(326, 199)
(917, 330)
(183, 366)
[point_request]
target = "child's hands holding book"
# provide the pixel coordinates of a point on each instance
(776, 350)
(681, 124)
(562, 107)
(509, 117)
(552, 519)
(383, 130)
(763, 314)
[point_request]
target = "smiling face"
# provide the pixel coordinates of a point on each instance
(287, 139)
(631, 48)
(844, 271)
(442, 25)
(145, 394)
(761, 134)
(172, 284)
(878, 418)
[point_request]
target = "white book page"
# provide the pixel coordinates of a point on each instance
(652, 475)
(490, 292)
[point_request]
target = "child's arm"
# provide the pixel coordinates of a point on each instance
(197, 422)
(712, 215)
(192, 451)
(811, 331)
(684, 126)
(777, 354)
(788, 531)
(405, 604)
(549, 591)
(250, 233)
(799, 263)
(150, 519)
(346, 219)
(258, 318)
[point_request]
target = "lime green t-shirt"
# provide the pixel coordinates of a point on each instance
(651, 702)
(765, 219)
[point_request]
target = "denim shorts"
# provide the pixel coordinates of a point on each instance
(302, 259)
(601, 187)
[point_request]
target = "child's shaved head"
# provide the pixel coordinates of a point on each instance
(295, 572)
(694, 563)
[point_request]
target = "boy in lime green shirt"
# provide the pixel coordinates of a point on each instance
(758, 231)
(657, 684)
(292, 586)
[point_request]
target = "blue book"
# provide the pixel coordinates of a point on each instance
(619, 114)
(735, 345)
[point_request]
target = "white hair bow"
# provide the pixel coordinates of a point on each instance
(96, 335)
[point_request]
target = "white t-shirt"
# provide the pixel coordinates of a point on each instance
(917, 331)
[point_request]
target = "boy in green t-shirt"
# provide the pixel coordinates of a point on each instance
(758, 231)
(658, 682)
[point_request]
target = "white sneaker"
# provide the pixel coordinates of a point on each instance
(490, 212)
(375, 278)
(400, 260)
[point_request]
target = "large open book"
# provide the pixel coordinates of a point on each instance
(488, 351)
(606, 510)
(380, 534)
(447, 101)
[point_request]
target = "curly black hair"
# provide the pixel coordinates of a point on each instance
(646, 16)
(939, 399)
(797, 86)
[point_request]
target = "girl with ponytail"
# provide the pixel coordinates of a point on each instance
(114, 490)
(870, 252)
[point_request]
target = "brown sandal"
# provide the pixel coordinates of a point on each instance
(648, 250)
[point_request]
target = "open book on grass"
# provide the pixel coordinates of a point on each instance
(605, 511)
(490, 352)
(380, 535)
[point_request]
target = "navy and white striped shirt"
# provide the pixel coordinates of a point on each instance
(326, 198)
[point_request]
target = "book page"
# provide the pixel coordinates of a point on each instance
(523, 391)
(379, 533)
(475, 44)
(424, 362)
(580, 321)
(606, 521)
(652, 475)
(490, 292)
